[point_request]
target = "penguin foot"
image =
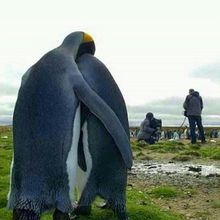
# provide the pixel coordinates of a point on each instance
(74, 217)
(22, 214)
(82, 210)
(104, 205)
(58, 215)
(122, 216)
(121, 213)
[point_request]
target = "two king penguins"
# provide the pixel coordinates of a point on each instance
(70, 130)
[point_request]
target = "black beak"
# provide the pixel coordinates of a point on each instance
(88, 47)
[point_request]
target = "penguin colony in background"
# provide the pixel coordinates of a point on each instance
(70, 130)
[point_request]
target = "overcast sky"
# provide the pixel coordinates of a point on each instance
(155, 50)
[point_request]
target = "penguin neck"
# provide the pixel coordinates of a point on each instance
(71, 51)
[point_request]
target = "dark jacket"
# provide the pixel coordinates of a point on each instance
(193, 104)
(145, 130)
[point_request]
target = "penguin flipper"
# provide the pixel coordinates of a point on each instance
(106, 115)
(81, 155)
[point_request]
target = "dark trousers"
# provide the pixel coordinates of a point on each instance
(149, 140)
(193, 121)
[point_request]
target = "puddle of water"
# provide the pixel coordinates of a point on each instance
(146, 167)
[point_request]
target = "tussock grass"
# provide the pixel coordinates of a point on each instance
(191, 153)
(171, 148)
(212, 152)
(194, 146)
(142, 156)
(167, 146)
(138, 146)
(215, 204)
(182, 158)
(161, 147)
(164, 192)
(141, 208)
(182, 151)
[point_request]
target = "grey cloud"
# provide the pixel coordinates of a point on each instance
(167, 106)
(6, 112)
(211, 106)
(5, 120)
(8, 89)
(211, 71)
(8, 92)
(6, 109)
(170, 111)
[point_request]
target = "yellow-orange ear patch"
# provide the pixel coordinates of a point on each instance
(87, 38)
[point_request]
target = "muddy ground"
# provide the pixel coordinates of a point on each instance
(200, 192)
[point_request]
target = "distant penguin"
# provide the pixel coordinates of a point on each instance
(46, 130)
(102, 170)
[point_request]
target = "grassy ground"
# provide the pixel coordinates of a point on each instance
(177, 150)
(144, 201)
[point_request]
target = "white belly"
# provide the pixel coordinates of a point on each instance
(12, 164)
(72, 156)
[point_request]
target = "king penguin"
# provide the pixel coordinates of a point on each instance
(102, 170)
(46, 131)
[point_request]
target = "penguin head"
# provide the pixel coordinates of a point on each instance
(79, 43)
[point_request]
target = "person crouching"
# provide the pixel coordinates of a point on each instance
(146, 131)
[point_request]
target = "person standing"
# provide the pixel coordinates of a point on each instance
(193, 105)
